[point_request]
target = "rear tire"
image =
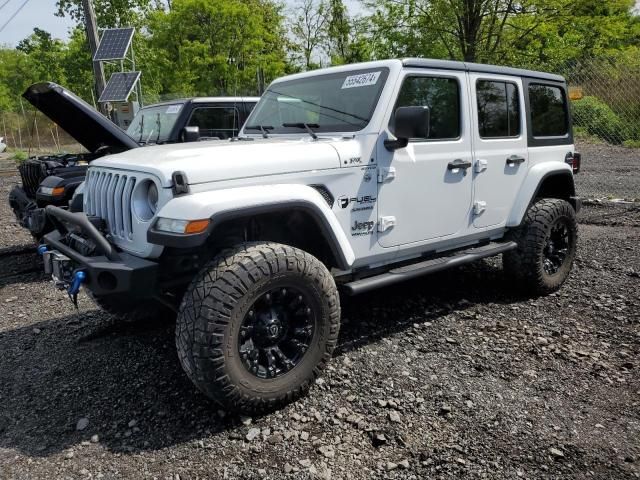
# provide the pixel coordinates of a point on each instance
(547, 241)
(257, 326)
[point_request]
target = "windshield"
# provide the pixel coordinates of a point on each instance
(336, 102)
(154, 124)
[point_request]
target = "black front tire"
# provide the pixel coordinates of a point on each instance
(212, 323)
(547, 241)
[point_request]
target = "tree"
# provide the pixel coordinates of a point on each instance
(204, 47)
(309, 29)
(501, 31)
(47, 55)
(109, 13)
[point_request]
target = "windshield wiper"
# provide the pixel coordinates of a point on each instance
(263, 128)
(141, 128)
(158, 124)
(308, 126)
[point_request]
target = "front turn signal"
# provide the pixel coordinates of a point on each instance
(196, 226)
(184, 227)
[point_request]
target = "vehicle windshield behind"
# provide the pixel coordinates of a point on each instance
(154, 124)
(336, 102)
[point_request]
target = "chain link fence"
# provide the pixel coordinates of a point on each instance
(605, 98)
(31, 131)
(605, 101)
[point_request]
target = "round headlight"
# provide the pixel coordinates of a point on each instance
(145, 200)
(152, 197)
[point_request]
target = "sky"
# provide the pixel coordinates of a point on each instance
(36, 13)
(40, 13)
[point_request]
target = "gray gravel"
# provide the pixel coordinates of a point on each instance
(453, 376)
(608, 172)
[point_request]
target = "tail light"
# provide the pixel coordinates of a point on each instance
(574, 159)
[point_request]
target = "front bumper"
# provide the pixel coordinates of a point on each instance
(27, 212)
(107, 272)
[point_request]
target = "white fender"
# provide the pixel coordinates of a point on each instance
(532, 181)
(220, 205)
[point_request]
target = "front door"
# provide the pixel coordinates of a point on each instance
(500, 147)
(425, 189)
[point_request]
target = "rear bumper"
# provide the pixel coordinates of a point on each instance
(110, 272)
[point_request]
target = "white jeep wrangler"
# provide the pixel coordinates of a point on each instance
(348, 178)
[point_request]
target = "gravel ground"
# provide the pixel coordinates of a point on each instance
(452, 376)
(608, 172)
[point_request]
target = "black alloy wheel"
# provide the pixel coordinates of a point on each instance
(556, 249)
(276, 332)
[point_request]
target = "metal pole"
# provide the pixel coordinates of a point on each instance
(92, 37)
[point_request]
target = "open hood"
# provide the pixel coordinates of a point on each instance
(79, 119)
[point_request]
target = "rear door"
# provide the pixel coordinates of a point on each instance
(499, 146)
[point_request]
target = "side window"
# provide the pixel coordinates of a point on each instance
(548, 111)
(442, 96)
(498, 109)
(220, 122)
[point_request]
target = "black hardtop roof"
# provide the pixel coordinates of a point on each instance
(480, 68)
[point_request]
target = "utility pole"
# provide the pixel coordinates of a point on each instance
(92, 37)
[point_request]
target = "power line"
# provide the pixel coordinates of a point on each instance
(14, 15)
(4, 4)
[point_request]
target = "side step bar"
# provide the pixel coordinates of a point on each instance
(433, 265)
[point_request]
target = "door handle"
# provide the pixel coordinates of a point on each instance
(458, 163)
(515, 160)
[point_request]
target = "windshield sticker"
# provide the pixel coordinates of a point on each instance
(361, 80)
(173, 109)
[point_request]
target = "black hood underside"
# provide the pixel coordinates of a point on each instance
(79, 119)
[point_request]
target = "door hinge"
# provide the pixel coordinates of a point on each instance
(385, 174)
(479, 207)
(481, 166)
(385, 223)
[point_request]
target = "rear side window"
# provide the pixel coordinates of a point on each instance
(215, 122)
(498, 109)
(442, 96)
(549, 116)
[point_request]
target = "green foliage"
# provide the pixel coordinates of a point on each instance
(109, 13)
(226, 47)
(214, 46)
(19, 156)
(598, 119)
(631, 143)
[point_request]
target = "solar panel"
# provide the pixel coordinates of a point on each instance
(119, 87)
(114, 44)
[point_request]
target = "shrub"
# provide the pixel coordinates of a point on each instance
(597, 118)
(19, 156)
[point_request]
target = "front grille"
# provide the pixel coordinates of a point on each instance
(108, 196)
(32, 172)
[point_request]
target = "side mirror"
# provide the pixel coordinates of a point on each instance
(190, 134)
(410, 122)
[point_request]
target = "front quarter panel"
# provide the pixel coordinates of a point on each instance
(220, 205)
